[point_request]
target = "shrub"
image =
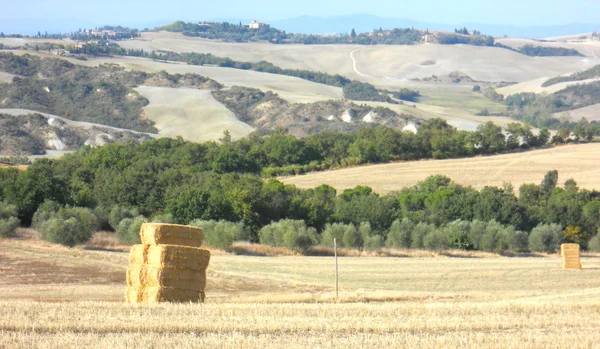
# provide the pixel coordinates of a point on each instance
(63, 231)
(545, 238)
(290, 234)
(370, 240)
(594, 244)
(8, 220)
(418, 234)
(400, 232)
(352, 238)
(437, 239)
(458, 232)
(162, 218)
(129, 229)
(119, 213)
(8, 226)
(45, 212)
(491, 238)
(476, 232)
(221, 234)
(333, 231)
(68, 226)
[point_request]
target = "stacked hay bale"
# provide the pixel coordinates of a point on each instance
(571, 256)
(168, 266)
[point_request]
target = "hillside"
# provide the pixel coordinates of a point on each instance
(269, 111)
(573, 161)
(374, 64)
(25, 132)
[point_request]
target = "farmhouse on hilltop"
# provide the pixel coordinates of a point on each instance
(258, 25)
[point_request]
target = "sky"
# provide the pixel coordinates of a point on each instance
(507, 12)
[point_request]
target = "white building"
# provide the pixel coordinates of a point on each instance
(258, 25)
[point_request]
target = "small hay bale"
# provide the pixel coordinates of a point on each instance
(132, 295)
(138, 254)
(152, 295)
(180, 257)
(139, 276)
(571, 256)
(170, 234)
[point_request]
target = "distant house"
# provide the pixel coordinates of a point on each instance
(258, 25)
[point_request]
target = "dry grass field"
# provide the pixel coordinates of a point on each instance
(572, 161)
(591, 113)
(380, 65)
(58, 297)
(193, 114)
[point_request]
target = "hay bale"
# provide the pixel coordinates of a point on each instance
(170, 234)
(132, 295)
(180, 257)
(139, 276)
(152, 295)
(138, 254)
(571, 256)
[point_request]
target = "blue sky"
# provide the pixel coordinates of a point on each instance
(510, 12)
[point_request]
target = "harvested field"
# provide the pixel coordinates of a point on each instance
(572, 161)
(294, 90)
(591, 113)
(193, 114)
(286, 302)
(587, 47)
(535, 86)
(381, 65)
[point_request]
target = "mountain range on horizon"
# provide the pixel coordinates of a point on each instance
(314, 25)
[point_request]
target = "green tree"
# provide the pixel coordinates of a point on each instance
(399, 235)
(545, 238)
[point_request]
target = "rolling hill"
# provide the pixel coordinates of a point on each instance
(579, 162)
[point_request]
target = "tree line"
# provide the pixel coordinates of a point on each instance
(120, 187)
(181, 178)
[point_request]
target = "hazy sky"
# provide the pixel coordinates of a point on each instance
(511, 12)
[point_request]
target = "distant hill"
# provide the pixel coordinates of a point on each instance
(367, 22)
(315, 25)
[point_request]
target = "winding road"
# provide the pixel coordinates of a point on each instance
(354, 64)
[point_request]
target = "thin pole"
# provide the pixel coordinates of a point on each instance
(336, 267)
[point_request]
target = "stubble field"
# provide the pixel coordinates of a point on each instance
(58, 297)
(579, 162)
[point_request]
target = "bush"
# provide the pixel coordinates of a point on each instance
(370, 240)
(8, 220)
(400, 232)
(129, 229)
(333, 231)
(437, 239)
(63, 231)
(67, 226)
(221, 234)
(162, 218)
(119, 213)
(491, 240)
(288, 233)
(45, 212)
(352, 238)
(8, 226)
(594, 244)
(458, 232)
(476, 232)
(418, 234)
(545, 238)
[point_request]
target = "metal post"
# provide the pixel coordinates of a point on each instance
(336, 267)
